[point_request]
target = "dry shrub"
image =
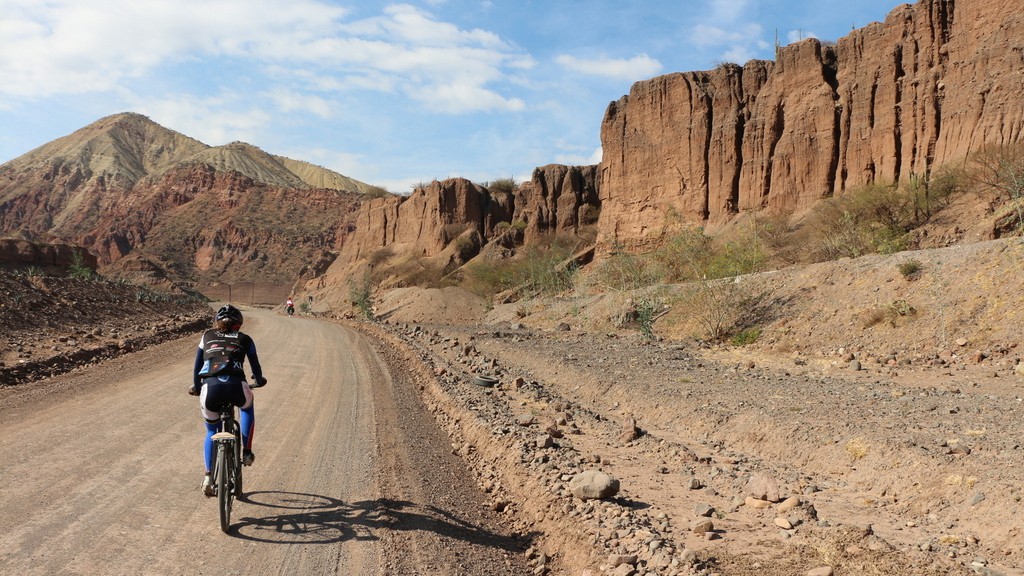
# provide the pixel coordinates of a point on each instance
(452, 231)
(466, 244)
(911, 269)
(360, 291)
(866, 220)
(375, 192)
(506, 185)
(691, 255)
(958, 481)
(488, 278)
(544, 267)
(877, 218)
(857, 448)
(379, 256)
(844, 549)
(411, 272)
(624, 271)
(899, 309)
(721, 307)
(1001, 168)
(779, 240)
(893, 314)
(872, 317)
(427, 276)
(685, 255)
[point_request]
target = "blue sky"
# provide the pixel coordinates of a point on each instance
(388, 93)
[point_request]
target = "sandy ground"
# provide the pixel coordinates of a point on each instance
(101, 470)
(907, 464)
(889, 478)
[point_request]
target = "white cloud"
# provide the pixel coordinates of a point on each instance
(737, 55)
(459, 97)
(291, 101)
(636, 68)
(738, 43)
(728, 10)
(705, 35)
(410, 24)
(75, 47)
(798, 35)
(579, 159)
(214, 120)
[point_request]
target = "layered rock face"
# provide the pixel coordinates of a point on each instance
(557, 199)
(935, 81)
(15, 252)
(421, 224)
(204, 224)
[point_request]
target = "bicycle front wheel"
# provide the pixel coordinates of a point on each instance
(236, 470)
(237, 478)
(224, 496)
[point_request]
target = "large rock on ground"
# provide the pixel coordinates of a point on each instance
(763, 487)
(593, 484)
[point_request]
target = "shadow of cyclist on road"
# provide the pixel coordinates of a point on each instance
(313, 519)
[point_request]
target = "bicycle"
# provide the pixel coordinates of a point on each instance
(227, 463)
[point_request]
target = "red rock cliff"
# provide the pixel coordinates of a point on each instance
(557, 199)
(935, 81)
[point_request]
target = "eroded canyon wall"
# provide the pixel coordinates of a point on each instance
(933, 82)
(557, 199)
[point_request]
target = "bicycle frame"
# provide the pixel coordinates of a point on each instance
(227, 464)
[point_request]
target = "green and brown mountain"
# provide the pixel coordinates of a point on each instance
(142, 197)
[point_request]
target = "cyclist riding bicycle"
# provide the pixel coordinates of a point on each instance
(218, 378)
(289, 306)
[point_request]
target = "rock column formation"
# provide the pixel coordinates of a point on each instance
(560, 199)
(557, 199)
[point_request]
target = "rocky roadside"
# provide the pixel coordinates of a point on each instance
(54, 324)
(516, 439)
(841, 473)
(41, 355)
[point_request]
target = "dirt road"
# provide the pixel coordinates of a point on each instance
(100, 470)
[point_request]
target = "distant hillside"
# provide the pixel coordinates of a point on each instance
(319, 177)
(126, 185)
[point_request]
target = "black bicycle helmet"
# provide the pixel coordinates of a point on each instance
(229, 312)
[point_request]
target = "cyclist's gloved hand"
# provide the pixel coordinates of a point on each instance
(261, 381)
(192, 390)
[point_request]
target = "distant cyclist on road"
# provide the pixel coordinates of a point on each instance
(289, 306)
(219, 378)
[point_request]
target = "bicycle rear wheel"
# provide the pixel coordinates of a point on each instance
(224, 496)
